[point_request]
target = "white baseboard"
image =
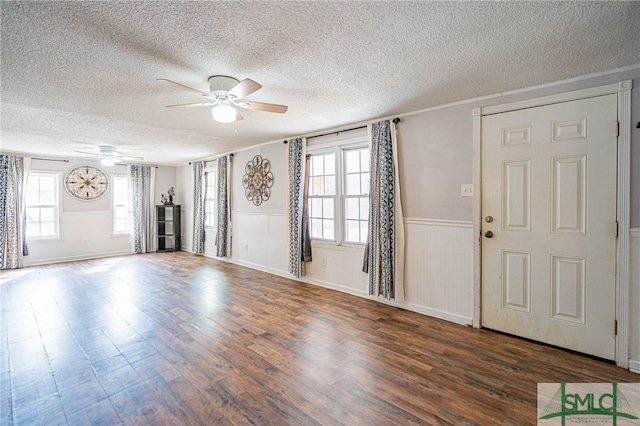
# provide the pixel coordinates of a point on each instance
(634, 366)
(74, 258)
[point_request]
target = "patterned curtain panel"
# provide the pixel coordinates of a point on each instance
(384, 251)
(306, 237)
(142, 180)
(294, 211)
(13, 180)
(222, 234)
(199, 188)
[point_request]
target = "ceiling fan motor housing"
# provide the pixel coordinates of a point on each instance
(221, 84)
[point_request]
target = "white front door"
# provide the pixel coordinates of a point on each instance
(549, 224)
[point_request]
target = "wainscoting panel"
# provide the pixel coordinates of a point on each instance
(83, 235)
(634, 295)
(260, 240)
(439, 268)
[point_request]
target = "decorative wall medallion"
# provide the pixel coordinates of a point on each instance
(257, 180)
(86, 183)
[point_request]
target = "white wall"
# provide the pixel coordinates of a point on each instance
(86, 226)
(435, 158)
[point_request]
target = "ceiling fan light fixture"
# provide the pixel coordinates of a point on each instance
(108, 162)
(223, 113)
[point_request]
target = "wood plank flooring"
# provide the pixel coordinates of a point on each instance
(174, 338)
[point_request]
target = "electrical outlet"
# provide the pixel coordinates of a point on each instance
(81, 243)
(323, 261)
(246, 247)
(466, 190)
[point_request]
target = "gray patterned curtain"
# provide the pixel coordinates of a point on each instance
(13, 241)
(198, 207)
(222, 236)
(299, 250)
(142, 180)
(384, 251)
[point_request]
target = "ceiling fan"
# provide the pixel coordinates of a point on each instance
(109, 155)
(225, 93)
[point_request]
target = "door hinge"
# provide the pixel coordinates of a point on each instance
(617, 129)
(615, 327)
(616, 228)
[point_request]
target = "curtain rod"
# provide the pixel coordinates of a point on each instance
(395, 121)
(215, 158)
(49, 159)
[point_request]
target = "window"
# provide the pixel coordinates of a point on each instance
(356, 194)
(339, 194)
(322, 193)
(210, 198)
(42, 205)
(120, 205)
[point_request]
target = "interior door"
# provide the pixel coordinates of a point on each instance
(549, 224)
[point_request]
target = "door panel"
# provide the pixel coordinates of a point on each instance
(549, 202)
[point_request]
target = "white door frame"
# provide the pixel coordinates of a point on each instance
(623, 90)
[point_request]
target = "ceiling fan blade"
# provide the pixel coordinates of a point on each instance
(187, 88)
(130, 158)
(261, 106)
(93, 154)
(192, 105)
(244, 88)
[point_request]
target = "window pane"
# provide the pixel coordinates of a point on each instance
(47, 183)
(353, 231)
(316, 207)
(352, 161)
(47, 229)
(330, 164)
(353, 184)
(364, 208)
(364, 231)
(317, 165)
(121, 225)
(364, 160)
(48, 198)
(364, 183)
(327, 229)
(327, 208)
(47, 214)
(33, 229)
(33, 214)
(32, 197)
(316, 228)
(352, 210)
(330, 185)
(317, 188)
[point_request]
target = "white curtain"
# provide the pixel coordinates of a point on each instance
(143, 215)
(223, 234)
(199, 189)
(299, 250)
(14, 172)
(384, 251)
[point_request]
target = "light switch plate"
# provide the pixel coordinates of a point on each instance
(466, 190)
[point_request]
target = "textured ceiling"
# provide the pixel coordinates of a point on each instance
(80, 74)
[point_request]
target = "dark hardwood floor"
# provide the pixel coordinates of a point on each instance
(175, 338)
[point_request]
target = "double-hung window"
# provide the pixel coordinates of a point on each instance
(356, 194)
(120, 204)
(339, 194)
(322, 196)
(211, 197)
(42, 205)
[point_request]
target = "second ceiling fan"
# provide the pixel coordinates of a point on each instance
(226, 93)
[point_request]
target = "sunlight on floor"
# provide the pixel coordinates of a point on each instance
(8, 275)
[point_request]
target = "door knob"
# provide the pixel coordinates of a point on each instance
(488, 234)
(488, 219)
